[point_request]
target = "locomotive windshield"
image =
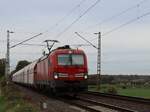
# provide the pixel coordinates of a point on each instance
(70, 59)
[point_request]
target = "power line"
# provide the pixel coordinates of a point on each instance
(124, 24)
(85, 40)
(33, 44)
(122, 12)
(68, 14)
(52, 27)
(128, 22)
(118, 14)
(26, 40)
(12, 40)
(76, 20)
(79, 45)
(26, 53)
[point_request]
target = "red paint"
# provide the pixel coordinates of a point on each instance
(46, 71)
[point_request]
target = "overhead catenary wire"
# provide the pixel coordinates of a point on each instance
(68, 14)
(118, 14)
(26, 40)
(27, 53)
(76, 20)
(86, 40)
(12, 40)
(28, 44)
(124, 24)
(128, 22)
(79, 44)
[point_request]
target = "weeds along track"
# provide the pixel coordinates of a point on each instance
(118, 101)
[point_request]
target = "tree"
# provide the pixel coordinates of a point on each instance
(21, 64)
(2, 66)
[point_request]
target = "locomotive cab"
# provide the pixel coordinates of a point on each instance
(70, 71)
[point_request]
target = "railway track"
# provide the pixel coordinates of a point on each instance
(93, 106)
(117, 102)
(127, 98)
(112, 107)
(100, 102)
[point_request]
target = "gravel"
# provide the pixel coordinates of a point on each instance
(139, 107)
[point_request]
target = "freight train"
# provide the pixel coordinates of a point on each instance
(62, 70)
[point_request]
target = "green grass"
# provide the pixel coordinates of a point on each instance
(2, 104)
(136, 92)
(143, 92)
(13, 100)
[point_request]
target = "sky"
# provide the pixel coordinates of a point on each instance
(125, 43)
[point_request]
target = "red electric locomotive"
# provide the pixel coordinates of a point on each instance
(63, 69)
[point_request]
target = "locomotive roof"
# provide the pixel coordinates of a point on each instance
(65, 49)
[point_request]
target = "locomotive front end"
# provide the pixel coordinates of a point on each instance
(71, 70)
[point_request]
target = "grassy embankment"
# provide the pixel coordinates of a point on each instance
(2, 104)
(12, 100)
(136, 91)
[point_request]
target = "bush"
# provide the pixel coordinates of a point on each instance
(2, 83)
(124, 87)
(111, 90)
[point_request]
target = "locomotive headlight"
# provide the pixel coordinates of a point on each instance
(85, 76)
(55, 76)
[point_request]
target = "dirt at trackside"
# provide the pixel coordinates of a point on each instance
(52, 105)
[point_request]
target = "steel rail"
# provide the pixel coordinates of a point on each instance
(120, 97)
(75, 103)
(113, 107)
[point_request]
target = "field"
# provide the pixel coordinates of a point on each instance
(137, 92)
(143, 92)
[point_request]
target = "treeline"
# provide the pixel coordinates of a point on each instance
(19, 66)
(120, 79)
(2, 66)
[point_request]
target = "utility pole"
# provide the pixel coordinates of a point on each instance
(98, 55)
(7, 67)
(98, 60)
